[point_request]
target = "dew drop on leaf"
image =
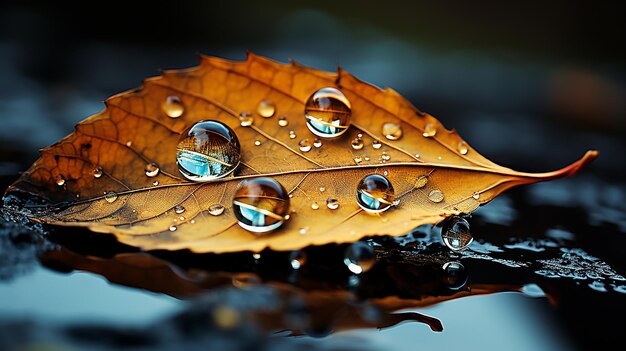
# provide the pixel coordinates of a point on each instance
(332, 203)
(208, 150)
(359, 257)
(317, 143)
(455, 233)
(315, 206)
(476, 195)
(260, 204)
(152, 169)
(430, 130)
(179, 209)
(322, 189)
(462, 148)
(110, 196)
(173, 228)
(375, 193)
(257, 142)
(303, 231)
(385, 156)
(59, 180)
(305, 145)
(97, 172)
(435, 195)
(292, 134)
(357, 159)
(327, 113)
(392, 131)
(455, 275)
(173, 106)
(155, 183)
(282, 121)
(421, 181)
(266, 108)
(357, 143)
(376, 144)
(216, 209)
(297, 259)
(246, 119)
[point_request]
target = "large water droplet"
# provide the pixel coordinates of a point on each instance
(173, 106)
(246, 119)
(429, 130)
(533, 290)
(207, 151)
(332, 203)
(152, 169)
(282, 121)
(327, 113)
(359, 257)
(376, 144)
(179, 209)
(110, 196)
(97, 172)
(266, 108)
(375, 193)
(297, 259)
(455, 275)
(216, 209)
(421, 181)
(435, 195)
(260, 204)
(392, 131)
(357, 143)
(455, 233)
(305, 145)
(462, 148)
(60, 180)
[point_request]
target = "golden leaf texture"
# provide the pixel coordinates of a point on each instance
(118, 172)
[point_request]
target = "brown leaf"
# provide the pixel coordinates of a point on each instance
(134, 131)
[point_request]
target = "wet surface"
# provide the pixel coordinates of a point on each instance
(545, 269)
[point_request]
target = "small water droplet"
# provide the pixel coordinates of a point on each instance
(455, 275)
(315, 206)
(357, 159)
(332, 203)
(260, 204)
(439, 158)
(376, 144)
(256, 256)
(110, 196)
(266, 108)
(193, 221)
(257, 142)
(317, 142)
(181, 218)
(476, 195)
(292, 134)
(297, 259)
(357, 143)
(366, 158)
(435, 195)
(60, 180)
(322, 189)
(455, 233)
(246, 119)
(290, 195)
(305, 145)
(282, 121)
(173, 228)
(375, 193)
(462, 148)
(97, 172)
(129, 143)
(152, 169)
(304, 231)
(359, 257)
(392, 131)
(155, 183)
(179, 209)
(173, 106)
(421, 181)
(429, 130)
(396, 203)
(385, 173)
(207, 151)
(327, 113)
(216, 209)
(417, 155)
(385, 156)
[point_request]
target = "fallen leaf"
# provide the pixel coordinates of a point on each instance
(117, 173)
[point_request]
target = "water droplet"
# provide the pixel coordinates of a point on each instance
(216, 209)
(417, 155)
(462, 148)
(435, 195)
(421, 181)
(208, 150)
(173, 106)
(193, 221)
(181, 218)
(282, 121)
(392, 131)
(155, 183)
(327, 113)
(396, 203)
(257, 142)
(246, 119)
(317, 142)
(152, 169)
(315, 206)
(256, 256)
(297, 259)
(303, 231)
(179, 209)
(332, 203)
(266, 108)
(385, 156)
(429, 130)
(110, 196)
(173, 228)
(376, 144)
(533, 290)
(357, 143)
(129, 143)
(366, 158)
(455, 233)
(292, 134)
(359, 257)
(97, 172)
(455, 275)
(476, 195)
(322, 189)
(260, 204)
(357, 159)
(305, 145)
(60, 180)
(385, 173)
(375, 193)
